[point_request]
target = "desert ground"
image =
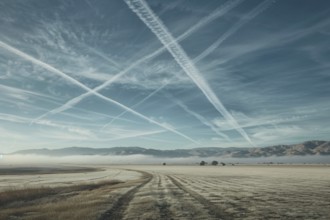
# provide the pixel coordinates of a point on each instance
(165, 192)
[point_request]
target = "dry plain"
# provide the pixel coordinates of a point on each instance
(166, 192)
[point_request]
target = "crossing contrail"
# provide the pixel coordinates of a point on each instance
(137, 104)
(216, 14)
(245, 19)
(76, 82)
(201, 119)
(143, 11)
(103, 56)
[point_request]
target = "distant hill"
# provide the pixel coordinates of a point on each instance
(306, 148)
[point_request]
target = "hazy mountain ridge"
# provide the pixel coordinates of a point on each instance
(306, 148)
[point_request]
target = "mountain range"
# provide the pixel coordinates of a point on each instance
(302, 149)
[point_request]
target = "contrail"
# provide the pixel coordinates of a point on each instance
(216, 14)
(204, 21)
(77, 99)
(76, 82)
(245, 19)
(143, 11)
(100, 54)
(201, 119)
(137, 104)
(23, 120)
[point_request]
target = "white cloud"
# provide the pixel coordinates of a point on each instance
(157, 27)
(277, 133)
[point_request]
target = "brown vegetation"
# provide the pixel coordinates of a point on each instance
(73, 202)
(183, 192)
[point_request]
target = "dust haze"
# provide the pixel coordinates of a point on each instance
(145, 159)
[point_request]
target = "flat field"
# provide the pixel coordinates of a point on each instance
(169, 192)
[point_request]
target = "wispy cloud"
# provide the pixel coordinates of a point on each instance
(270, 135)
(268, 41)
(83, 65)
(201, 119)
(103, 56)
(216, 14)
(24, 99)
(233, 29)
(13, 118)
(71, 132)
(222, 10)
(152, 21)
(138, 103)
(251, 122)
(74, 81)
(133, 135)
(48, 123)
(204, 21)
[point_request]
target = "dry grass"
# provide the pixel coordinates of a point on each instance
(44, 170)
(75, 202)
(183, 192)
(264, 193)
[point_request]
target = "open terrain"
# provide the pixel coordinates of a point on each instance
(170, 192)
(305, 148)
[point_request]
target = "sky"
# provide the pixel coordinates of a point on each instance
(163, 74)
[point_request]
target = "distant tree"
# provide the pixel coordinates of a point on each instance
(214, 163)
(223, 164)
(164, 164)
(202, 163)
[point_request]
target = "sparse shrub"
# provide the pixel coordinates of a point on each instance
(202, 163)
(215, 163)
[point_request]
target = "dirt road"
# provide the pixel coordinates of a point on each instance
(225, 193)
(173, 192)
(162, 196)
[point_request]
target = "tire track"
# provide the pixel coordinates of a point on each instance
(119, 207)
(162, 204)
(150, 201)
(213, 209)
(164, 198)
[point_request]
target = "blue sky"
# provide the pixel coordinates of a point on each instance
(163, 74)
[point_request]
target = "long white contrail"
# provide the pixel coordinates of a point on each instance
(137, 104)
(100, 54)
(245, 19)
(143, 11)
(201, 119)
(76, 82)
(216, 14)
(76, 100)
(211, 17)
